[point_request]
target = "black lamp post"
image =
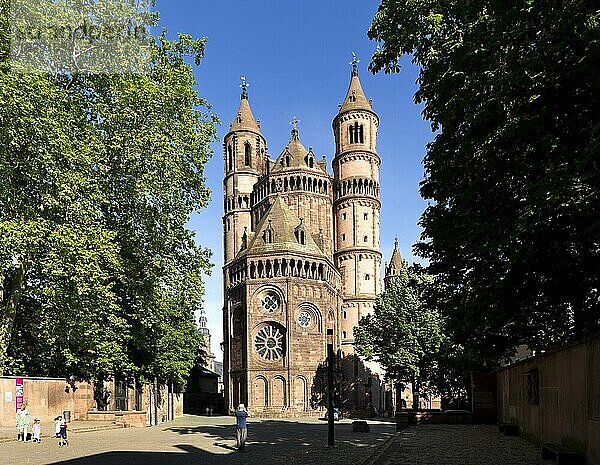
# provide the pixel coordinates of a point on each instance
(330, 362)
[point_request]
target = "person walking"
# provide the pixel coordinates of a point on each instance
(23, 420)
(241, 414)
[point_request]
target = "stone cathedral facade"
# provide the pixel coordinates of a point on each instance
(302, 255)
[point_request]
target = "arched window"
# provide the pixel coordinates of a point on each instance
(366, 216)
(361, 137)
(367, 277)
(351, 133)
(344, 334)
(287, 160)
(345, 314)
(247, 159)
(229, 158)
(300, 236)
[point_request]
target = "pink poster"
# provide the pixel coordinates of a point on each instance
(19, 392)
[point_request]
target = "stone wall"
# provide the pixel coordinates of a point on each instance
(47, 398)
(555, 397)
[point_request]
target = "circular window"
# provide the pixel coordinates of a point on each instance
(269, 303)
(268, 343)
(304, 319)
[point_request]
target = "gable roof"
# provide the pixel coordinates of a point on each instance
(283, 224)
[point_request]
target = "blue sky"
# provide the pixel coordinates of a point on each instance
(296, 57)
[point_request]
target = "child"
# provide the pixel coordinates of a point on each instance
(37, 431)
(57, 423)
(63, 433)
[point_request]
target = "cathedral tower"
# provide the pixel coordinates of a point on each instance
(244, 158)
(356, 207)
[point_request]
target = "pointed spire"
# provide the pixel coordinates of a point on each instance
(244, 119)
(355, 97)
(396, 262)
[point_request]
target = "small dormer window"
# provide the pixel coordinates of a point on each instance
(300, 234)
(287, 160)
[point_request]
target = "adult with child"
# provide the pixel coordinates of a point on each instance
(23, 421)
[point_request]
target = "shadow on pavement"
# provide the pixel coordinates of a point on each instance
(270, 435)
(188, 455)
(272, 441)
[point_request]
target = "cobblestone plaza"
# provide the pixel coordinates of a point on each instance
(211, 440)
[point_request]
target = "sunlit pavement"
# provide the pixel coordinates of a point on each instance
(208, 440)
(458, 445)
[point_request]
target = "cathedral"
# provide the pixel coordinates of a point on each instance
(301, 256)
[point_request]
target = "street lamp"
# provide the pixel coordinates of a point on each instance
(330, 362)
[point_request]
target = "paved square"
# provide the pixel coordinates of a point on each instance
(206, 440)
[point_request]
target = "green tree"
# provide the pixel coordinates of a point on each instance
(512, 231)
(99, 174)
(403, 334)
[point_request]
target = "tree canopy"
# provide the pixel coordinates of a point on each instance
(99, 174)
(403, 334)
(511, 231)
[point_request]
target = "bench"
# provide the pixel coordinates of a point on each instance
(562, 455)
(508, 429)
(360, 426)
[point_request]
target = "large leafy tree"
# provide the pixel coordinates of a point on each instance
(403, 333)
(99, 174)
(512, 230)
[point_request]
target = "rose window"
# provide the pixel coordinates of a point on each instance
(268, 343)
(304, 319)
(269, 303)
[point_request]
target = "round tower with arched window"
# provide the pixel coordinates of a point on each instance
(356, 207)
(244, 159)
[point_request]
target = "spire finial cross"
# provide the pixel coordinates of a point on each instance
(294, 123)
(244, 86)
(355, 61)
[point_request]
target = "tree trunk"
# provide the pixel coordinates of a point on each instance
(11, 289)
(416, 384)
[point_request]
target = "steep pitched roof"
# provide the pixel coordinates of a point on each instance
(396, 262)
(244, 119)
(355, 97)
(283, 224)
